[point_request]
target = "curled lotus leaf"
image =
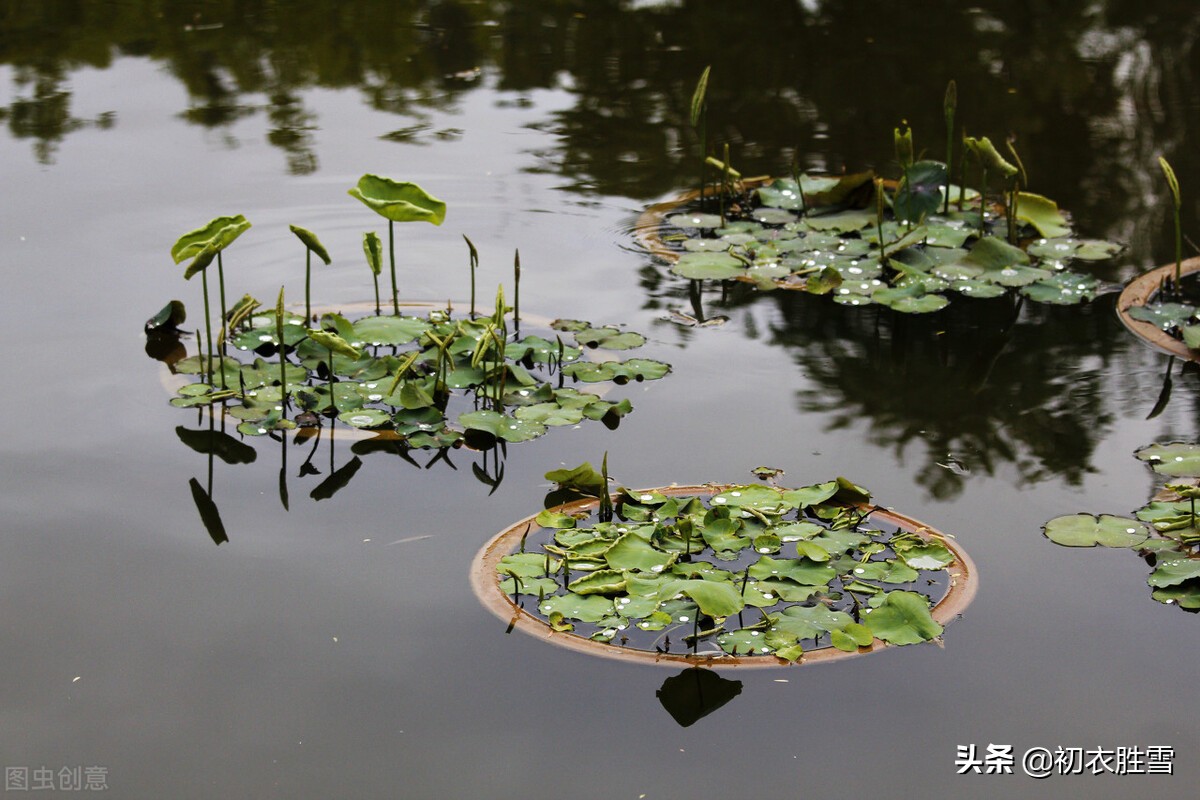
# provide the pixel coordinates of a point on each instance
(1084, 530)
(399, 201)
(1177, 459)
(220, 232)
(602, 581)
(554, 519)
(311, 242)
(1043, 214)
(331, 341)
(920, 192)
(902, 618)
(931, 555)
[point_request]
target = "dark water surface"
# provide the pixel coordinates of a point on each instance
(328, 650)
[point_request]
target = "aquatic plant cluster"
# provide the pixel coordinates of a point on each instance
(1165, 531)
(431, 381)
(751, 570)
(908, 244)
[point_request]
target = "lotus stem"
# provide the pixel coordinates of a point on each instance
(982, 197)
(392, 257)
(517, 293)
(474, 264)
(208, 329)
(282, 351)
(949, 107)
(879, 220)
(224, 315)
(962, 171)
(307, 287)
(375, 277)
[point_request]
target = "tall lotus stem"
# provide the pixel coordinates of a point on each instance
(879, 220)
(699, 119)
(517, 292)
(224, 315)
(606, 506)
(392, 257)
(208, 331)
(308, 290)
(1021, 179)
(1173, 183)
(282, 353)
(949, 107)
(474, 262)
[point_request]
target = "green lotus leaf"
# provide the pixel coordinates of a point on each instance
(1060, 248)
(537, 587)
(311, 242)
(632, 552)
(390, 330)
(540, 351)
(1097, 250)
(773, 216)
(850, 299)
(528, 565)
(554, 519)
(1043, 214)
(705, 245)
(202, 261)
(946, 235)
(851, 637)
(602, 581)
(813, 552)
(738, 227)
(766, 499)
(1062, 288)
(810, 495)
(932, 555)
(980, 289)
(501, 426)
(696, 220)
(1015, 276)
(373, 250)
(171, 316)
(766, 543)
(422, 420)
(823, 282)
(399, 201)
(619, 372)
(887, 571)
(787, 591)
(744, 642)
(781, 193)
(840, 541)
(1177, 459)
(1173, 572)
(1185, 595)
(1191, 336)
(798, 570)
(219, 232)
(1164, 315)
(995, 254)
(549, 414)
(609, 338)
(723, 536)
(902, 618)
(797, 623)
(715, 598)
(957, 272)
(919, 194)
(923, 304)
(715, 266)
(367, 418)
(585, 608)
(345, 396)
(841, 222)
(986, 153)
(331, 341)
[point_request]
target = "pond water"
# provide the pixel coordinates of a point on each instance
(333, 648)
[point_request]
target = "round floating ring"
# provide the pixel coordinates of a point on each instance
(964, 583)
(1138, 292)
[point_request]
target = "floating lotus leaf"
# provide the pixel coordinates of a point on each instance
(810, 495)
(823, 282)
(1084, 530)
(1178, 459)
(1174, 571)
(798, 570)
(840, 541)
(708, 266)
(1096, 250)
(851, 299)
(705, 245)
(254, 338)
(841, 222)
(632, 552)
(550, 414)
(889, 571)
(1191, 336)
(766, 499)
(957, 272)
(931, 555)
(946, 235)
(908, 301)
(399, 201)
(171, 316)
(773, 216)
(851, 637)
(715, 598)
(739, 227)
(390, 330)
(609, 338)
(602, 581)
(811, 551)
(768, 543)
(368, 418)
(978, 289)
(902, 618)
(781, 193)
(703, 221)
(1164, 315)
(723, 536)
(619, 372)
(1016, 275)
(501, 426)
(536, 587)
(1185, 595)
(797, 623)
(994, 254)
(585, 608)
(1062, 288)
(1043, 214)
(528, 565)
(744, 642)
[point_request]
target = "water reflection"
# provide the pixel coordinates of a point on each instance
(695, 693)
(1092, 74)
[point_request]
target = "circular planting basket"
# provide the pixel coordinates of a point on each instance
(1139, 292)
(963, 585)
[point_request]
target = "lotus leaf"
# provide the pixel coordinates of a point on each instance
(1178, 459)
(609, 338)
(399, 201)
(619, 372)
(220, 232)
(602, 581)
(920, 192)
(549, 414)
(889, 571)
(773, 216)
(946, 235)
(501, 426)
(1164, 315)
(902, 618)
(585, 608)
(744, 642)
(331, 341)
(1185, 595)
(695, 221)
(1174, 571)
(1062, 288)
(799, 570)
(631, 552)
(704, 245)
(766, 499)
(1043, 214)
(367, 418)
(932, 555)
(311, 242)
(709, 266)
(1191, 336)
(840, 541)
(171, 316)
(1015, 276)
(536, 587)
(715, 598)
(840, 222)
(994, 254)
(797, 623)
(978, 289)
(811, 495)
